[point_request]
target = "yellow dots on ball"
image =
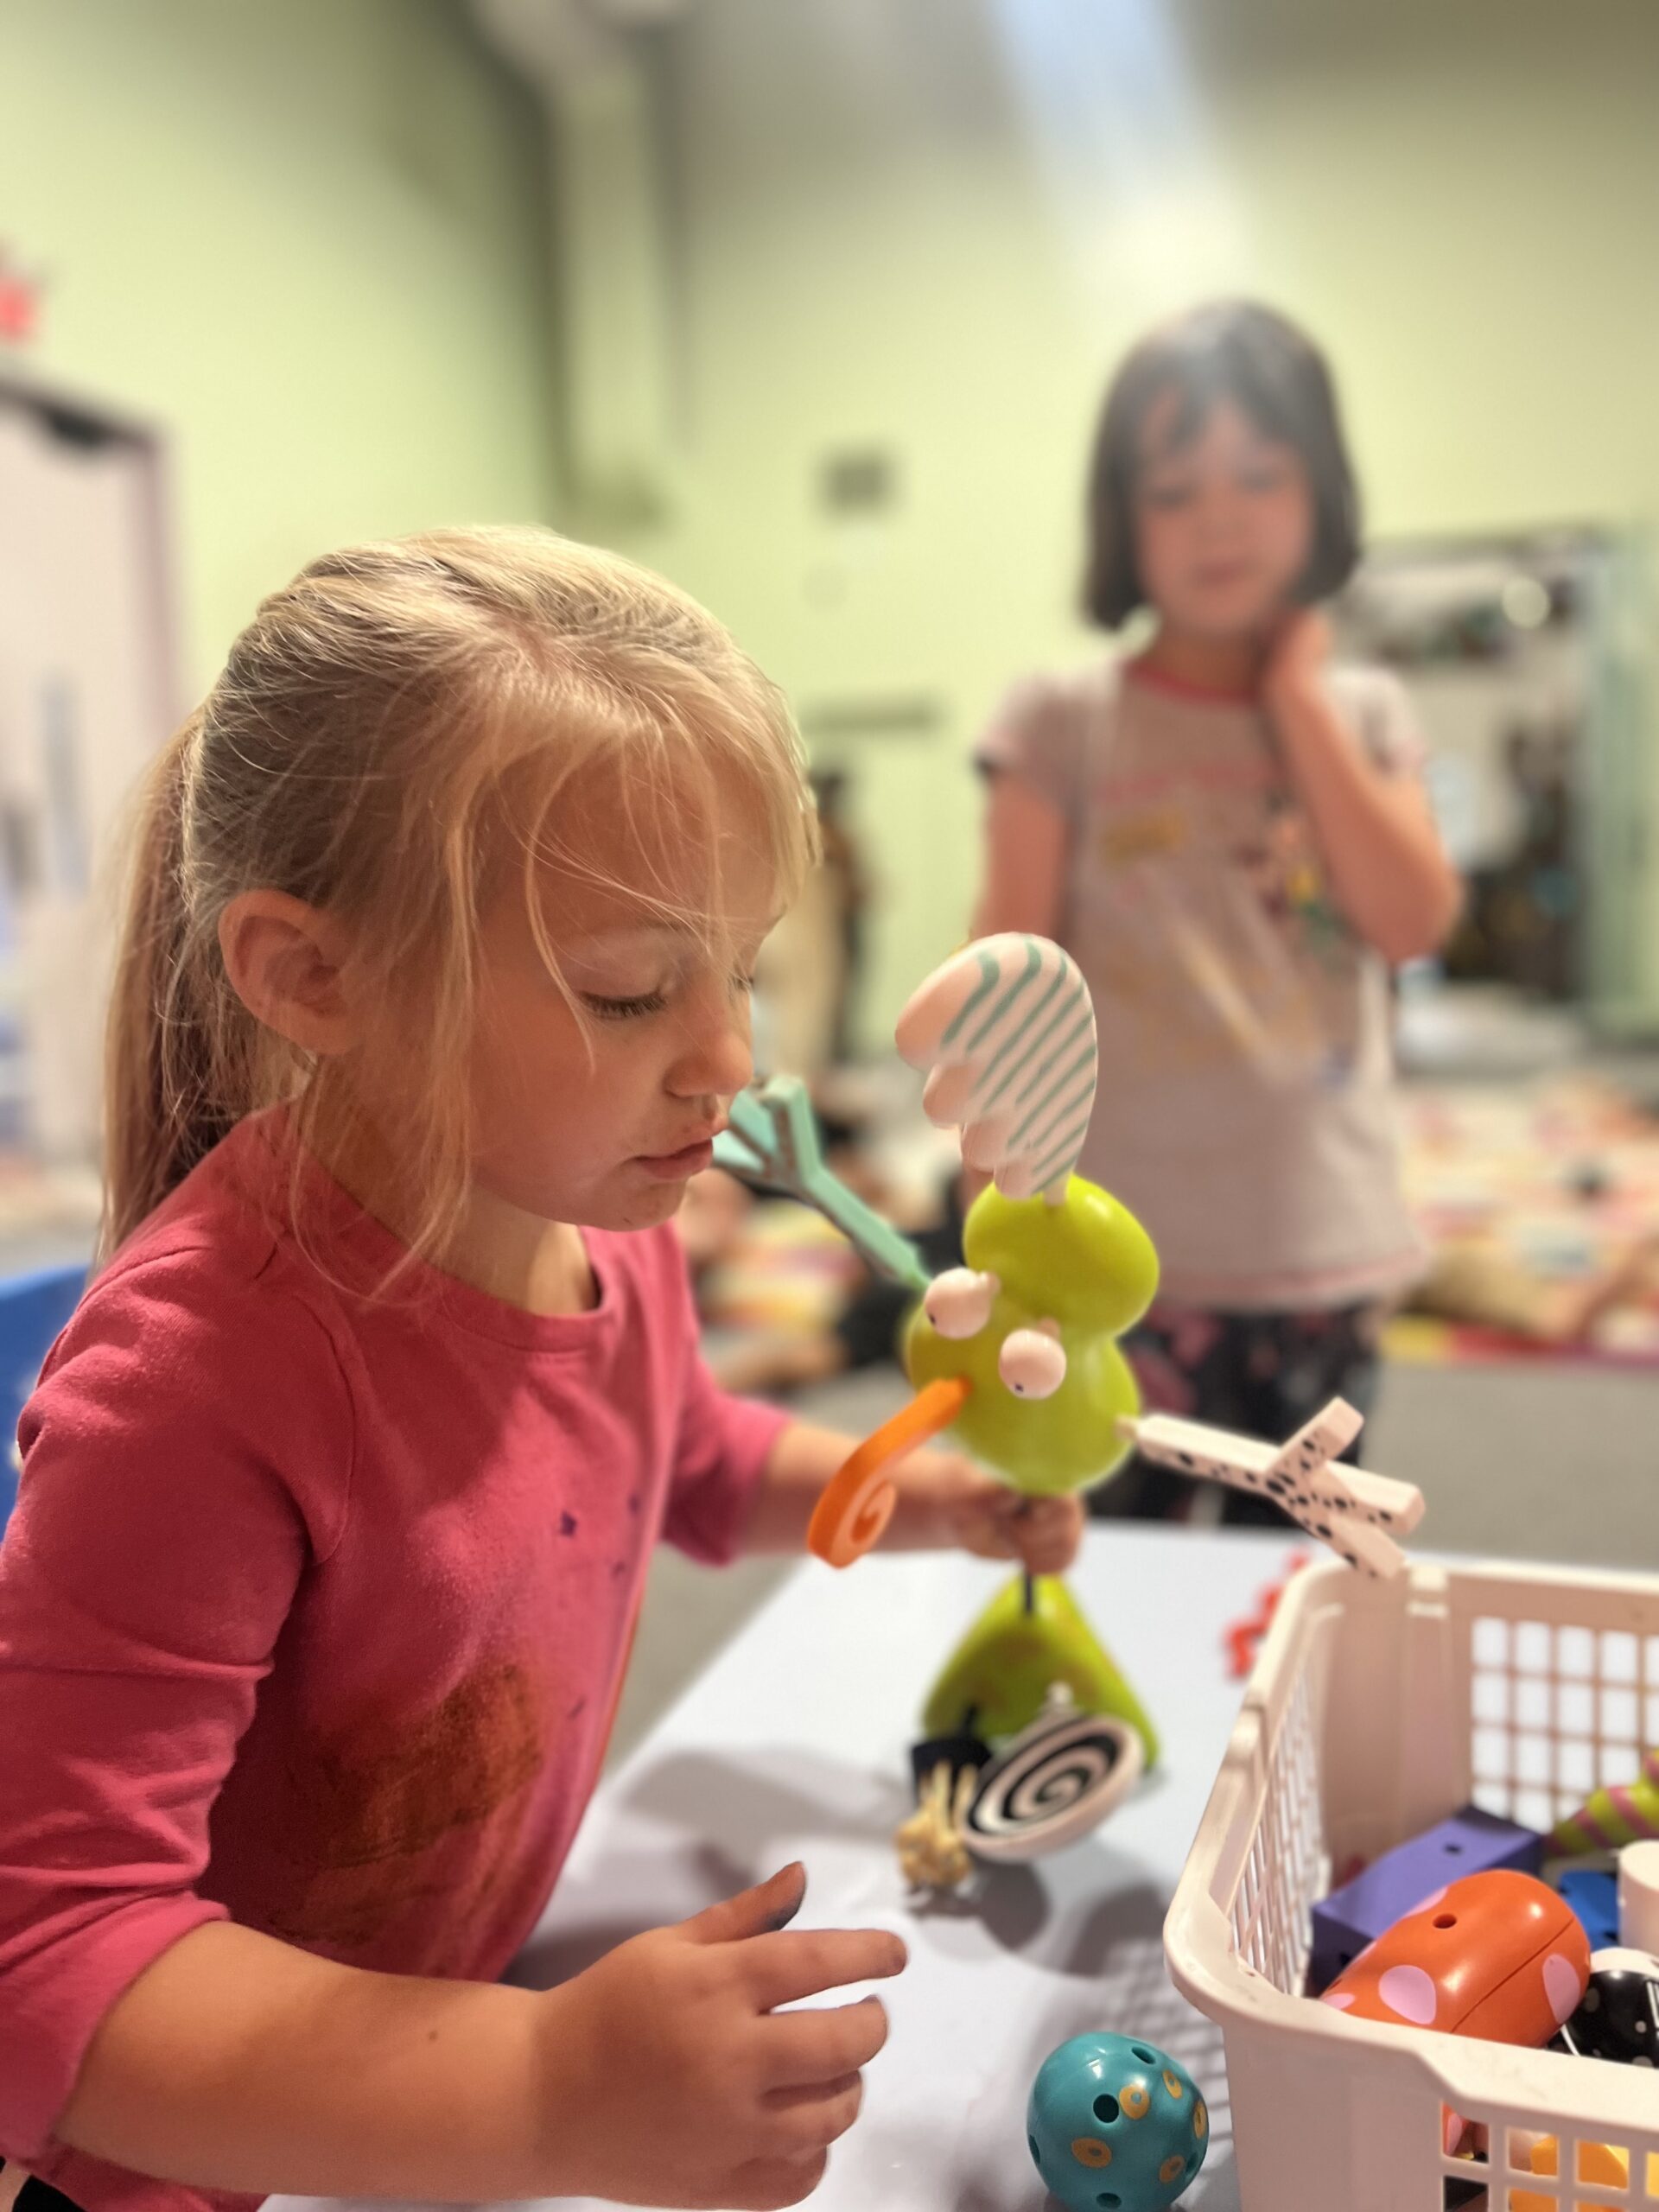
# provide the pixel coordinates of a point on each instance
(1136, 2101)
(1171, 2170)
(1172, 2083)
(1089, 2150)
(1200, 2120)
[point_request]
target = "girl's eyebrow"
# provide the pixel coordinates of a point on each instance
(610, 935)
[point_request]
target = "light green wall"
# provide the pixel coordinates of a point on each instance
(934, 225)
(305, 238)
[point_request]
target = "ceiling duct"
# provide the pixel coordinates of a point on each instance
(590, 61)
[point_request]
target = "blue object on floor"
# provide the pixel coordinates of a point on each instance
(32, 1310)
(1593, 1895)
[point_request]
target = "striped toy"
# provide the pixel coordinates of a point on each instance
(1625, 1813)
(1007, 1028)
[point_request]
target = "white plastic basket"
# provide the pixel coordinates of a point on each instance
(1377, 1708)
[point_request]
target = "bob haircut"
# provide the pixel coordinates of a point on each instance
(1275, 375)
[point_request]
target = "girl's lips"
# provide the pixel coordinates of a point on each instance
(671, 1166)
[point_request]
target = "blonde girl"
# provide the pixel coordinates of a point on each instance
(339, 1490)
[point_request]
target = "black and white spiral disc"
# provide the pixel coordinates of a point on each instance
(1053, 1783)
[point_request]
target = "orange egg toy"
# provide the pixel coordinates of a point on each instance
(1498, 1955)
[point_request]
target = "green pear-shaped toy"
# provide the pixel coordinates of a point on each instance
(996, 1680)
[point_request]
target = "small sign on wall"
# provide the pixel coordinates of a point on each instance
(21, 292)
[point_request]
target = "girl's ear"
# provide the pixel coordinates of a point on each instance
(287, 964)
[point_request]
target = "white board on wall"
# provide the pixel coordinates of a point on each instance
(86, 697)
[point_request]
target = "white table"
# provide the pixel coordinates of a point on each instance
(794, 1744)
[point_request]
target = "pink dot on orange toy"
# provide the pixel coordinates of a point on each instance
(1498, 1955)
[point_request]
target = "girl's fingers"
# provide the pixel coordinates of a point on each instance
(767, 2184)
(812, 2118)
(781, 1968)
(1045, 1532)
(805, 2050)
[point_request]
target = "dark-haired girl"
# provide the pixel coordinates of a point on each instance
(1233, 839)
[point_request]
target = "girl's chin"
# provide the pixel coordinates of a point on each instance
(643, 1206)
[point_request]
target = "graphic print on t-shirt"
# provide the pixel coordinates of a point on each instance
(1221, 941)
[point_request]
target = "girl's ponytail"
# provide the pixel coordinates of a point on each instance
(163, 1097)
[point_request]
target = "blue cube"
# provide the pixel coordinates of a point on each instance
(1593, 1895)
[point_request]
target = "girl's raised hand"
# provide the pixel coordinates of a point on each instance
(1297, 654)
(671, 2077)
(947, 1502)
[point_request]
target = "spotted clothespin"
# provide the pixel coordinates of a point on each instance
(1361, 1516)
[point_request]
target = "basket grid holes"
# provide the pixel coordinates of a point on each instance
(1286, 1868)
(1557, 1712)
(1580, 2179)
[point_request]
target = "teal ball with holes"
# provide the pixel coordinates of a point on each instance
(1115, 2124)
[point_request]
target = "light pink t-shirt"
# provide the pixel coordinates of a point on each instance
(313, 1610)
(1245, 1109)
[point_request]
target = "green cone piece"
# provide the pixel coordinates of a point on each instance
(998, 1676)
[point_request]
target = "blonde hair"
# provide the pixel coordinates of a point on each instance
(387, 730)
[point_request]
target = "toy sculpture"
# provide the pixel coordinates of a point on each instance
(1017, 1351)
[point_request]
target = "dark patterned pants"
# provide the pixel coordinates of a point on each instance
(41, 2196)
(1265, 1374)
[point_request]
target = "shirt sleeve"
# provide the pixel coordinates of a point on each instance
(721, 1446)
(1038, 735)
(152, 1559)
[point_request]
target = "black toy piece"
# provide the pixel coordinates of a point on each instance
(963, 1753)
(1619, 2016)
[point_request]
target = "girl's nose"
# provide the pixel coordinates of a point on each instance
(715, 1058)
(1219, 510)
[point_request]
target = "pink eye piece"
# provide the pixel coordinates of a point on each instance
(1031, 1363)
(958, 1303)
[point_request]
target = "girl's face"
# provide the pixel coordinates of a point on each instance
(1224, 522)
(602, 1118)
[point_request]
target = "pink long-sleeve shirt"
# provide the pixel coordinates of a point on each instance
(314, 1606)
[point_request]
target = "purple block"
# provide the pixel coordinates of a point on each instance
(1471, 1842)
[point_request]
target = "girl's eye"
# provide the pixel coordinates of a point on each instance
(742, 986)
(1167, 495)
(624, 1009)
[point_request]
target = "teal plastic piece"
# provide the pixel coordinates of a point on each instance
(773, 1140)
(1114, 2120)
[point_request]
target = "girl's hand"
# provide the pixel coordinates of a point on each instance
(1296, 657)
(945, 1500)
(669, 2077)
